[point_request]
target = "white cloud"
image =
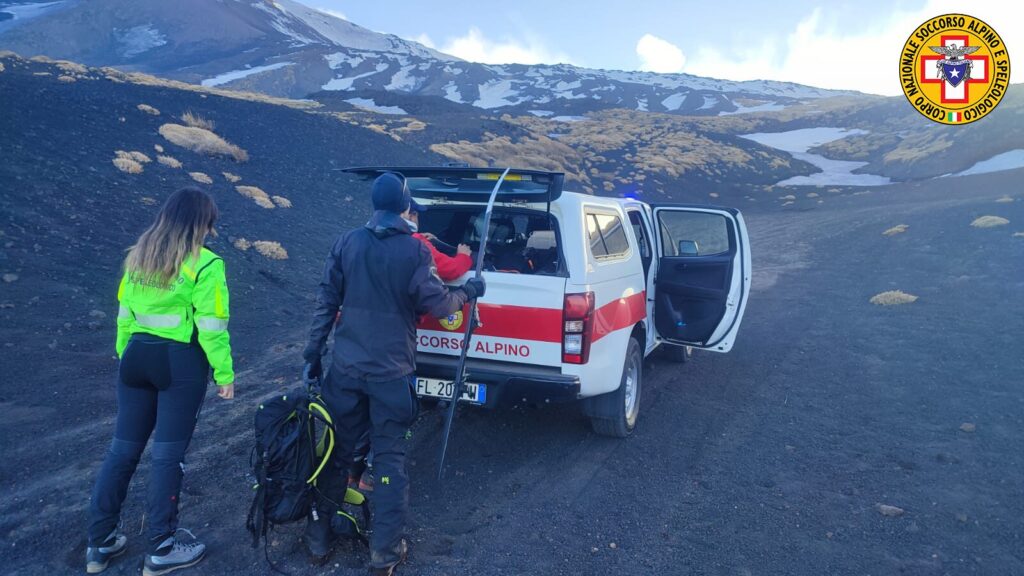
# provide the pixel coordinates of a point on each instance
(334, 13)
(825, 56)
(658, 55)
(425, 40)
(474, 47)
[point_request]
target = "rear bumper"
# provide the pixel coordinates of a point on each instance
(507, 383)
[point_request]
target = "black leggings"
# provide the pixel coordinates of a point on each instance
(160, 392)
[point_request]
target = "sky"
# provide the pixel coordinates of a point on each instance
(840, 44)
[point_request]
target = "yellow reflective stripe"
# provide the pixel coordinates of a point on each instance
(354, 497)
(120, 288)
(329, 433)
(212, 324)
(218, 302)
(158, 320)
(188, 272)
(124, 312)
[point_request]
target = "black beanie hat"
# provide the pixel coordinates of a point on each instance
(389, 193)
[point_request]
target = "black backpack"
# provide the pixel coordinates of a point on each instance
(294, 439)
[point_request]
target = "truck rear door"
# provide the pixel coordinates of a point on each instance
(703, 277)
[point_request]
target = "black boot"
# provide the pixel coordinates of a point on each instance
(402, 552)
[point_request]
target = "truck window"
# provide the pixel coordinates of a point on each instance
(607, 238)
(700, 233)
(520, 241)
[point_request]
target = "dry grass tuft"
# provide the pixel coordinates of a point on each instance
(1004, 199)
(272, 250)
(139, 157)
(231, 177)
(257, 195)
(812, 194)
(2, 67)
(148, 201)
(127, 165)
(196, 121)
(168, 161)
(1018, 234)
(202, 141)
(66, 79)
(148, 109)
(242, 244)
(158, 148)
(282, 202)
(892, 298)
(898, 229)
(788, 197)
(201, 178)
(989, 221)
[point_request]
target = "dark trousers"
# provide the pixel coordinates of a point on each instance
(387, 409)
(161, 388)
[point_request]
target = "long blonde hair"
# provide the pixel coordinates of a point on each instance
(177, 233)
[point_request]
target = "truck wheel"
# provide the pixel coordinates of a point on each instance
(680, 354)
(614, 414)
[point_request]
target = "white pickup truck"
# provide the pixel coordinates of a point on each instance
(580, 289)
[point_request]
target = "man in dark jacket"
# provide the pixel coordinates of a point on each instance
(382, 279)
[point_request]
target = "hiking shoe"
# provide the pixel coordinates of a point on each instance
(366, 481)
(403, 552)
(97, 557)
(172, 554)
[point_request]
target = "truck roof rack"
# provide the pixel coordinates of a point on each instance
(469, 184)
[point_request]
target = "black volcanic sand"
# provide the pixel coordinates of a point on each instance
(769, 460)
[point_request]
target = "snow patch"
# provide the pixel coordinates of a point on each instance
(709, 102)
(402, 80)
(138, 39)
(674, 101)
(641, 104)
(833, 172)
(495, 94)
(451, 92)
(1010, 160)
(372, 106)
(239, 74)
(541, 113)
(338, 58)
(766, 107)
(346, 83)
(569, 118)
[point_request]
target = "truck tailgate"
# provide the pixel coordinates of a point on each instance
(521, 322)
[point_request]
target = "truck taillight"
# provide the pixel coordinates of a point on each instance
(577, 327)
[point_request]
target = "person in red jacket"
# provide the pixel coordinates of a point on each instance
(448, 267)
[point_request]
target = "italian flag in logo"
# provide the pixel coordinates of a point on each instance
(954, 117)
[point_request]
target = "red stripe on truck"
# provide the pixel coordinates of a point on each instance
(545, 324)
(519, 322)
(618, 314)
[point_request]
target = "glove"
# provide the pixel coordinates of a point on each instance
(312, 370)
(474, 288)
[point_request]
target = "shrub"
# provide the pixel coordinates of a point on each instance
(892, 298)
(256, 195)
(127, 165)
(242, 244)
(148, 109)
(139, 157)
(168, 161)
(202, 141)
(66, 79)
(282, 202)
(231, 177)
(898, 229)
(190, 119)
(989, 221)
(272, 250)
(201, 178)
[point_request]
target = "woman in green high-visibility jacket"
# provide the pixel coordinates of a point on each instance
(172, 328)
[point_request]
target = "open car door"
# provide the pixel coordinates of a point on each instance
(703, 277)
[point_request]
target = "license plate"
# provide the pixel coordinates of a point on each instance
(475, 393)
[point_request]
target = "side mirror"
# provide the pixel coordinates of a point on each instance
(688, 248)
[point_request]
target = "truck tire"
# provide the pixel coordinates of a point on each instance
(615, 413)
(680, 354)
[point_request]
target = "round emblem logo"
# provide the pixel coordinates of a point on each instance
(453, 321)
(954, 69)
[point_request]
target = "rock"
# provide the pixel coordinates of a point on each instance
(887, 510)
(968, 427)
(613, 545)
(97, 314)
(961, 517)
(10, 278)
(593, 550)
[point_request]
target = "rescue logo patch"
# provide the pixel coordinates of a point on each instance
(452, 321)
(954, 69)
